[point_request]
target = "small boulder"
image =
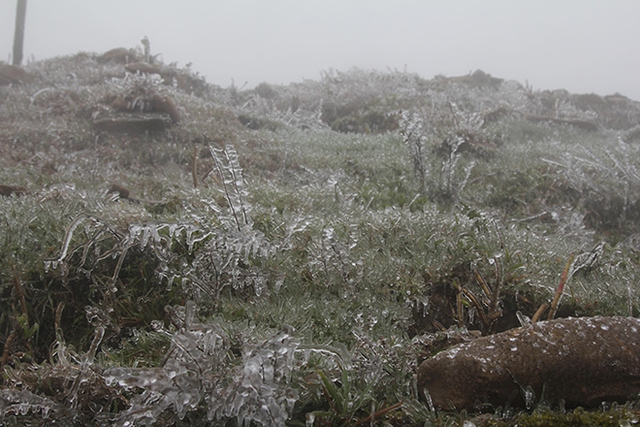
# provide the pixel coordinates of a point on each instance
(13, 74)
(143, 68)
(8, 190)
(122, 191)
(119, 55)
(581, 361)
(147, 103)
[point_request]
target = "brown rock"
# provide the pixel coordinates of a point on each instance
(579, 123)
(153, 103)
(13, 74)
(7, 190)
(617, 98)
(496, 115)
(582, 361)
(478, 79)
(143, 67)
(164, 104)
(122, 191)
(4, 81)
(119, 55)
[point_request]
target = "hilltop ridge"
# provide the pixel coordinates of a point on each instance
(351, 101)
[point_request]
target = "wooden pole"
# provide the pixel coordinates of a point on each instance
(18, 38)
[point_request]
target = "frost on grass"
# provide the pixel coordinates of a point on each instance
(607, 182)
(200, 371)
(73, 380)
(203, 253)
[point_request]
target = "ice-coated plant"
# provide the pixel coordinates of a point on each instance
(205, 255)
(415, 139)
(265, 112)
(200, 370)
(228, 168)
(20, 402)
(439, 175)
(607, 179)
(73, 375)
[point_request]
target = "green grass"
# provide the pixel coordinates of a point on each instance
(319, 256)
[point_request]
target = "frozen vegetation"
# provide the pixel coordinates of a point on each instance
(288, 255)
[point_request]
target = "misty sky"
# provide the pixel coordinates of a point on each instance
(580, 45)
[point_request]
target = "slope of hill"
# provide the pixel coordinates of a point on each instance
(177, 253)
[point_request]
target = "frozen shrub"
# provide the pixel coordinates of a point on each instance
(440, 176)
(16, 402)
(200, 370)
(607, 181)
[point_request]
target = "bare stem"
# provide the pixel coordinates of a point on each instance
(194, 167)
(563, 280)
(539, 312)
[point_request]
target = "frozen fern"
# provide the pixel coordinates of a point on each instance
(233, 185)
(259, 392)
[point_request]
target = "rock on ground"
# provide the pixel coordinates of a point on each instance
(582, 361)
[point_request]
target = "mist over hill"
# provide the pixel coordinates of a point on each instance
(355, 100)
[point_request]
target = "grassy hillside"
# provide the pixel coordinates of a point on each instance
(181, 254)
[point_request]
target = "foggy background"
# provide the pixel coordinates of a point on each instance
(583, 46)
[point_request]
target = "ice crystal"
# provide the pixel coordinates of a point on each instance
(259, 393)
(20, 402)
(194, 371)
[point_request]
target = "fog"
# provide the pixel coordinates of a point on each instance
(583, 46)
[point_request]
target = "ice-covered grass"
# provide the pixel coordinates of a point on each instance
(281, 271)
